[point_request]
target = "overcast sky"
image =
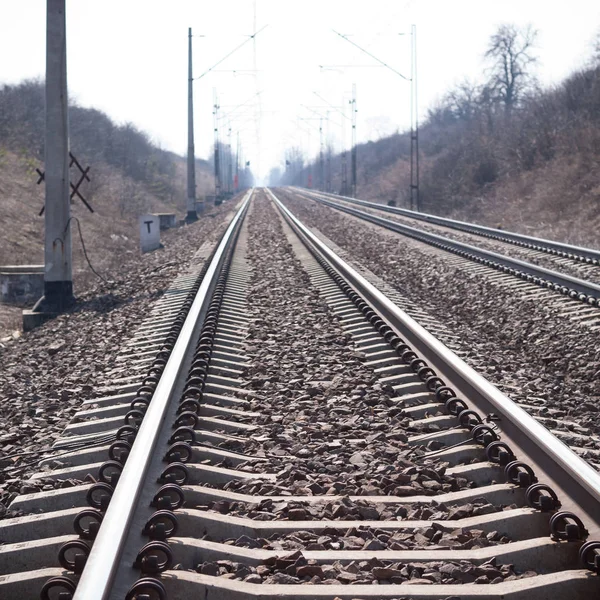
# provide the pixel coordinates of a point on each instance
(129, 59)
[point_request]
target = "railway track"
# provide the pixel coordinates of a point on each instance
(581, 262)
(576, 427)
(531, 275)
(278, 421)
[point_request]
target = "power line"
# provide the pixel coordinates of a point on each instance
(326, 67)
(232, 52)
(414, 119)
(240, 105)
(332, 106)
(326, 116)
(371, 55)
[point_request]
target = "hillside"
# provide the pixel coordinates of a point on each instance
(534, 168)
(129, 176)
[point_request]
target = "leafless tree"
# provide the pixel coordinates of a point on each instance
(510, 52)
(275, 176)
(294, 163)
(596, 50)
(462, 102)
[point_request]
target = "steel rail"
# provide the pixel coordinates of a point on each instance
(534, 243)
(97, 577)
(579, 482)
(590, 291)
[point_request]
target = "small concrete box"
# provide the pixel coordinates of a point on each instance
(21, 284)
(167, 220)
(149, 232)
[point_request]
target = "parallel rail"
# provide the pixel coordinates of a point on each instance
(106, 556)
(557, 481)
(570, 251)
(571, 474)
(570, 286)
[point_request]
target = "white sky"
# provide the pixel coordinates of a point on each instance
(129, 59)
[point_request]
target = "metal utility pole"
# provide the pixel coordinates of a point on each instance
(58, 276)
(328, 138)
(191, 159)
(229, 164)
(236, 180)
(258, 106)
(321, 158)
(329, 179)
(415, 201)
(309, 178)
(344, 153)
(353, 158)
(344, 187)
(217, 162)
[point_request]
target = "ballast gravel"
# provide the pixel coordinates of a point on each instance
(347, 509)
(374, 539)
(47, 373)
(573, 268)
(328, 428)
(326, 425)
(525, 346)
(295, 569)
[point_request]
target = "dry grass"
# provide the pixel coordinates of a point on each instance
(110, 233)
(110, 230)
(559, 201)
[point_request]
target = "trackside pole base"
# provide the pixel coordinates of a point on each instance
(191, 216)
(58, 297)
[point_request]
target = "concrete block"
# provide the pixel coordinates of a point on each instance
(21, 285)
(33, 319)
(149, 232)
(167, 220)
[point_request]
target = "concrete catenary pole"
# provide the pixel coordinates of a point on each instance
(58, 277)
(191, 159)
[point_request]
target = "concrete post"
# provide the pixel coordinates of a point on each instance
(58, 278)
(191, 160)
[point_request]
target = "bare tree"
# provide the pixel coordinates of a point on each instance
(275, 176)
(463, 100)
(294, 162)
(510, 52)
(596, 50)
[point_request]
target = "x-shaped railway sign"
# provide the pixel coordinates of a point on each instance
(74, 188)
